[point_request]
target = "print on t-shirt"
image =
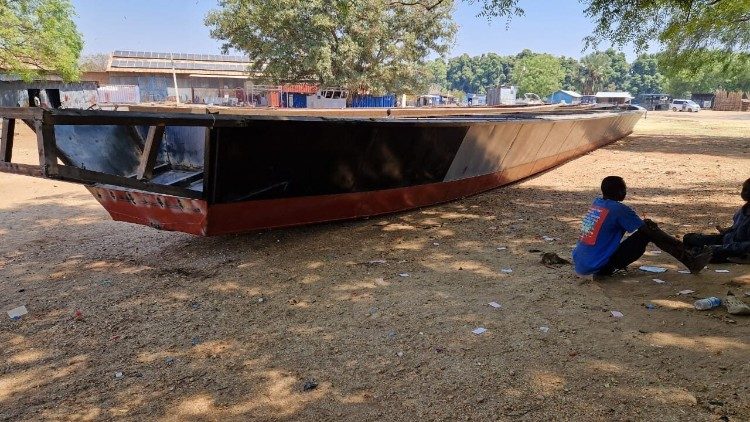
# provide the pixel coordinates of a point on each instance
(592, 222)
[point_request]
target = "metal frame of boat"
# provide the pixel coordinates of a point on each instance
(211, 174)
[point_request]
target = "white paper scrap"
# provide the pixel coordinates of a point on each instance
(502, 248)
(549, 238)
(652, 269)
(435, 244)
(544, 329)
(376, 261)
(617, 314)
(507, 270)
(495, 305)
(659, 281)
(479, 330)
(684, 271)
(403, 275)
(18, 312)
(685, 292)
(722, 271)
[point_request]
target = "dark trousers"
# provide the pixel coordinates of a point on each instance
(628, 252)
(721, 251)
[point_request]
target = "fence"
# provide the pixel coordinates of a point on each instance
(118, 94)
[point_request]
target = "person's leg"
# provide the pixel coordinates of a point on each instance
(695, 262)
(739, 250)
(628, 252)
(698, 240)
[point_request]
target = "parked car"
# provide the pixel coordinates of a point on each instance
(684, 105)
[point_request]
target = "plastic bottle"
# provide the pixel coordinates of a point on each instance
(707, 303)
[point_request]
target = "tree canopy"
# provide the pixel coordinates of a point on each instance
(39, 36)
(541, 74)
(694, 33)
(368, 46)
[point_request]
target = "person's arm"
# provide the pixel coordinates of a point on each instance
(629, 220)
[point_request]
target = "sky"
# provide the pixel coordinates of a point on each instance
(552, 26)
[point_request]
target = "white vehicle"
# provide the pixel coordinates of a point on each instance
(684, 105)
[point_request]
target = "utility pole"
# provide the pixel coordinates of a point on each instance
(174, 78)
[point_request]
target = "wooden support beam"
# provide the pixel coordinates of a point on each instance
(6, 139)
(22, 169)
(45, 139)
(79, 175)
(136, 137)
(150, 151)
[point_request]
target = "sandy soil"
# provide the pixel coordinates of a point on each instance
(231, 328)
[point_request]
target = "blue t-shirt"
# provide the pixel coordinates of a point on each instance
(601, 232)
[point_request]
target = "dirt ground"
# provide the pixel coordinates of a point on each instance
(175, 327)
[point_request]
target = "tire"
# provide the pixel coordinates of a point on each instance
(674, 108)
(690, 110)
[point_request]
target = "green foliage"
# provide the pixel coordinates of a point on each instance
(436, 73)
(476, 74)
(691, 31)
(541, 74)
(373, 46)
(39, 36)
(716, 71)
(645, 76)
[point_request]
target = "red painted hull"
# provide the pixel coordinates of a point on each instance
(196, 216)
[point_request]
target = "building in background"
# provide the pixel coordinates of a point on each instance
(620, 97)
(200, 78)
(503, 95)
(565, 97)
(51, 93)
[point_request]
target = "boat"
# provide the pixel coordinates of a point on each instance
(209, 172)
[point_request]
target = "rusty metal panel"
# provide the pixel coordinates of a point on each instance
(483, 149)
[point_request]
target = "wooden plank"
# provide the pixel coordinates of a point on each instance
(6, 139)
(22, 169)
(79, 175)
(135, 135)
(45, 139)
(150, 151)
(23, 113)
(129, 118)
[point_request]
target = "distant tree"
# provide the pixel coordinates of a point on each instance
(492, 70)
(596, 71)
(573, 79)
(370, 45)
(436, 73)
(645, 77)
(714, 73)
(39, 36)
(541, 74)
(94, 62)
(462, 73)
(690, 30)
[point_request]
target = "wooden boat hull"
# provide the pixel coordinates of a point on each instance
(231, 174)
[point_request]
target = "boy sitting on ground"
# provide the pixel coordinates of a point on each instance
(733, 243)
(601, 251)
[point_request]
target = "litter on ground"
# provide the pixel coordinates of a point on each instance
(652, 269)
(685, 292)
(17, 313)
(617, 314)
(658, 281)
(495, 305)
(507, 270)
(479, 330)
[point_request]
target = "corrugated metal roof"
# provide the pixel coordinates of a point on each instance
(608, 94)
(148, 62)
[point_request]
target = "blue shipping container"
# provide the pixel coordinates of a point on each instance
(372, 101)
